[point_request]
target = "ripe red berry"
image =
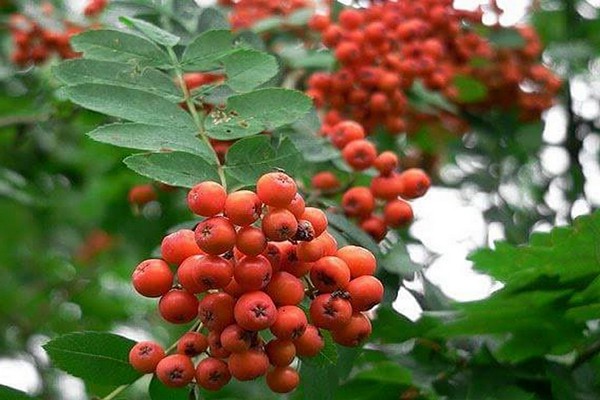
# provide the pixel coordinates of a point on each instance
(365, 292)
(283, 379)
(175, 370)
(215, 310)
(255, 311)
(350, 18)
(187, 275)
(415, 183)
(311, 343)
(178, 306)
(248, 365)
(325, 181)
(311, 251)
(152, 278)
(359, 260)
(317, 219)
(330, 312)
(398, 213)
(285, 289)
(297, 206)
(251, 241)
(215, 346)
(387, 187)
(236, 339)
(290, 323)
(192, 343)
(360, 154)
(375, 226)
(358, 202)
(214, 272)
(243, 207)
(145, 356)
(345, 132)
(215, 235)
(141, 194)
(279, 225)
(234, 289)
(353, 333)
(386, 162)
(276, 189)
(207, 199)
(178, 246)
(281, 352)
(330, 274)
(212, 374)
(253, 273)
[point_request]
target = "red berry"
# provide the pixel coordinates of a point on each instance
(145, 356)
(192, 343)
(152, 278)
(253, 273)
(243, 207)
(345, 132)
(360, 154)
(375, 226)
(359, 260)
(354, 333)
(213, 272)
(178, 246)
(248, 365)
(311, 343)
(398, 213)
(351, 18)
(255, 311)
(317, 219)
(175, 370)
(387, 187)
(276, 189)
(281, 352)
(178, 306)
(290, 323)
(386, 162)
(330, 312)
(358, 202)
(297, 206)
(285, 289)
(279, 225)
(141, 194)
(283, 379)
(415, 183)
(216, 347)
(215, 311)
(330, 274)
(365, 292)
(236, 339)
(207, 199)
(187, 275)
(212, 374)
(325, 181)
(251, 241)
(215, 235)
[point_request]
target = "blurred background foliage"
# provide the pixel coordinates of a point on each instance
(70, 239)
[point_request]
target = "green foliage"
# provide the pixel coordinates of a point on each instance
(158, 391)
(102, 358)
(7, 393)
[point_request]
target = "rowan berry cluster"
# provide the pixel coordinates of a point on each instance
(245, 13)
(384, 49)
(256, 262)
(34, 44)
(390, 188)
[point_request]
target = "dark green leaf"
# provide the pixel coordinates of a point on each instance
(117, 46)
(205, 50)
(507, 37)
(386, 372)
(396, 260)
(152, 31)
(470, 90)
(131, 104)
(80, 71)
(7, 393)
(173, 168)
(102, 358)
(246, 69)
(158, 391)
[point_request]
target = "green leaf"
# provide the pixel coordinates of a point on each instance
(152, 138)
(80, 71)
(470, 90)
(507, 38)
(102, 358)
(212, 18)
(314, 148)
(117, 46)
(393, 327)
(204, 51)
(351, 231)
(428, 101)
(386, 372)
(173, 168)
(397, 261)
(151, 31)
(246, 69)
(7, 393)
(158, 391)
(250, 158)
(131, 104)
(251, 113)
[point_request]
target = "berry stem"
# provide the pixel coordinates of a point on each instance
(116, 392)
(198, 118)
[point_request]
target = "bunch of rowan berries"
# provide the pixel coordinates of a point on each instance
(245, 13)
(257, 261)
(391, 189)
(385, 48)
(35, 44)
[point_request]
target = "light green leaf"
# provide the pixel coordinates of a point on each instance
(250, 113)
(117, 46)
(246, 69)
(130, 104)
(152, 138)
(80, 71)
(173, 168)
(151, 31)
(102, 358)
(204, 51)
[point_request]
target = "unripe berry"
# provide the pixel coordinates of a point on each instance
(398, 213)
(145, 356)
(242, 208)
(215, 235)
(281, 352)
(365, 292)
(178, 306)
(310, 344)
(178, 246)
(255, 311)
(282, 379)
(359, 260)
(192, 343)
(290, 323)
(354, 333)
(330, 274)
(248, 365)
(207, 199)
(212, 374)
(279, 225)
(276, 189)
(215, 310)
(175, 370)
(152, 278)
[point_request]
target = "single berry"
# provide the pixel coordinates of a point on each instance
(253, 273)
(207, 199)
(255, 311)
(178, 246)
(354, 333)
(178, 306)
(365, 292)
(215, 310)
(212, 374)
(398, 214)
(311, 343)
(145, 356)
(281, 352)
(359, 260)
(285, 289)
(279, 225)
(290, 323)
(251, 241)
(330, 312)
(317, 219)
(283, 379)
(248, 365)
(243, 207)
(236, 339)
(330, 274)
(276, 189)
(175, 370)
(152, 278)
(215, 235)
(192, 343)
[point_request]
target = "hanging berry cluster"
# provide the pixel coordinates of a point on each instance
(384, 49)
(390, 189)
(245, 13)
(249, 266)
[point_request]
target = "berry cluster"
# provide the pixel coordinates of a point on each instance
(384, 49)
(390, 187)
(35, 44)
(254, 261)
(245, 13)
